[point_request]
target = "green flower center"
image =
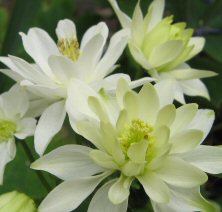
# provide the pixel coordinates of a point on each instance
(135, 132)
(7, 129)
(69, 48)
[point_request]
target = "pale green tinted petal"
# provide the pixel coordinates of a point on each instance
(119, 191)
(154, 187)
(121, 90)
(101, 202)
(195, 87)
(122, 120)
(203, 121)
(98, 109)
(132, 169)
(198, 43)
(155, 14)
(165, 53)
(137, 30)
(68, 162)
(90, 131)
(207, 158)
(185, 200)
(70, 194)
(187, 74)
(139, 56)
(184, 115)
(148, 103)
(103, 159)
(131, 104)
(179, 173)
(137, 151)
(49, 124)
(185, 140)
(166, 116)
(165, 90)
(123, 18)
(26, 128)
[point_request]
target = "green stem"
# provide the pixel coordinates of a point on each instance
(38, 173)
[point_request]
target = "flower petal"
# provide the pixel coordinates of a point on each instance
(68, 162)
(154, 187)
(101, 202)
(207, 158)
(179, 173)
(49, 124)
(66, 29)
(198, 43)
(70, 194)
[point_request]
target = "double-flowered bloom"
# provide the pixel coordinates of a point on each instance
(14, 122)
(162, 48)
(59, 65)
(138, 136)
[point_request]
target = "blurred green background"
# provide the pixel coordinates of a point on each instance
(205, 16)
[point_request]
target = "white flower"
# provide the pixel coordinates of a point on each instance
(13, 123)
(57, 64)
(147, 139)
(161, 47)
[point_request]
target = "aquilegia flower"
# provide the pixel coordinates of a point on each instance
(13, 123)
(57, 64)
(162, 47)
(146, 139)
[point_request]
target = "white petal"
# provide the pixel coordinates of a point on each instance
(101, 202)
(195, 87)
(66, 29)
(123, 18)
(179, 173)
(68, 162)
(198, 43)
(165, 90)
(203, 121)
(70, 194)
(115, 49)
(11, 74)
(39, 45)
(155, 14)
(154, 187)
(15, 101)
(26, 128)
(207, 158)
(7, 153)
(49, 124)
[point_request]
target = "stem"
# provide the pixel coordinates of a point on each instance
(32, 159)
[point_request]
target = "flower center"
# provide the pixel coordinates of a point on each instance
(134, 132)
(7, 129)
(69, 48)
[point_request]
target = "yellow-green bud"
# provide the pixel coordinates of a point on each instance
(7, 129)
(16, 202)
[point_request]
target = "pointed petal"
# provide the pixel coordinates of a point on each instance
(179, 173)
(124, 20)
(195, 87)
(101, 202)
(68, 162)
(154, 187)
(198, 43)
(70, 194)
(49, 124)
(207, 158)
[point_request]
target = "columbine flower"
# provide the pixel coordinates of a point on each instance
(57, 63)
(146, 139)
(13, 123)
(16, 202)
(161, 47)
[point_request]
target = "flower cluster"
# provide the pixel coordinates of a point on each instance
(135, 137)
